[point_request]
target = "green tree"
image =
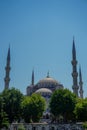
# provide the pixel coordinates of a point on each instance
(3, 116)
(21, 127)
(26, 114)
(12, 103)
(84, 125)
(81, 110)
(62, 103)
(33, 108)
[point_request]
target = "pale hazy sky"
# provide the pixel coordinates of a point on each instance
(40, 34)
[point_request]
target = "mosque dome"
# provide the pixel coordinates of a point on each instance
(49, 83)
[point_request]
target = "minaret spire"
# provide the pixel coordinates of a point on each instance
(7, 68)
(80, 83)
(75, 86)
(48, 74)
(73, 51)
(32, 82)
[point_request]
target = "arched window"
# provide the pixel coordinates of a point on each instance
(52, 128)
(15, 128)
(34, 128)
(43, 128)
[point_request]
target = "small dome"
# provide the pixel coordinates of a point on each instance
(44, 91)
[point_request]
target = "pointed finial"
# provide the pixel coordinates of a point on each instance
(8, 56)
(48, 74)
(32, 77)
(74, 50)
(73, 42)
(73, 38)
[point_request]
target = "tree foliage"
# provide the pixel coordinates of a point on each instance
(81, 110)
(84, 125)
(21, 127)
(3, 116)
(63, 103)
(12, 103)
(33, 108)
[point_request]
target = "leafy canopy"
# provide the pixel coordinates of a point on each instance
(81, 110)
(62, 103)
(33, 108)
(3, 116)
(12, 103)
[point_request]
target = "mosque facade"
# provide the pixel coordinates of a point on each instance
(48, 85)
(45, 86)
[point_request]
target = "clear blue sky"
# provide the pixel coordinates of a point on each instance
(40, 33)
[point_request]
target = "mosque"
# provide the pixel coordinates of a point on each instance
(48, 85)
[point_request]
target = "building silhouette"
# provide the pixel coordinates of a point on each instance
(48, 85)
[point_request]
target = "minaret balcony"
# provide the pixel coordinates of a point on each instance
(74, 74)
(74, 62)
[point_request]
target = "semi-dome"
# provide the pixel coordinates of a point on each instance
(44, 90)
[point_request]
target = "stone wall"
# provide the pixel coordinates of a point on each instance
(45, 126)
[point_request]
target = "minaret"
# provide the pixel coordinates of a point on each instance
(80, 83)
(48, 74)
(30, 88)
(75, 86)
(7, 68)
(32, 80)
